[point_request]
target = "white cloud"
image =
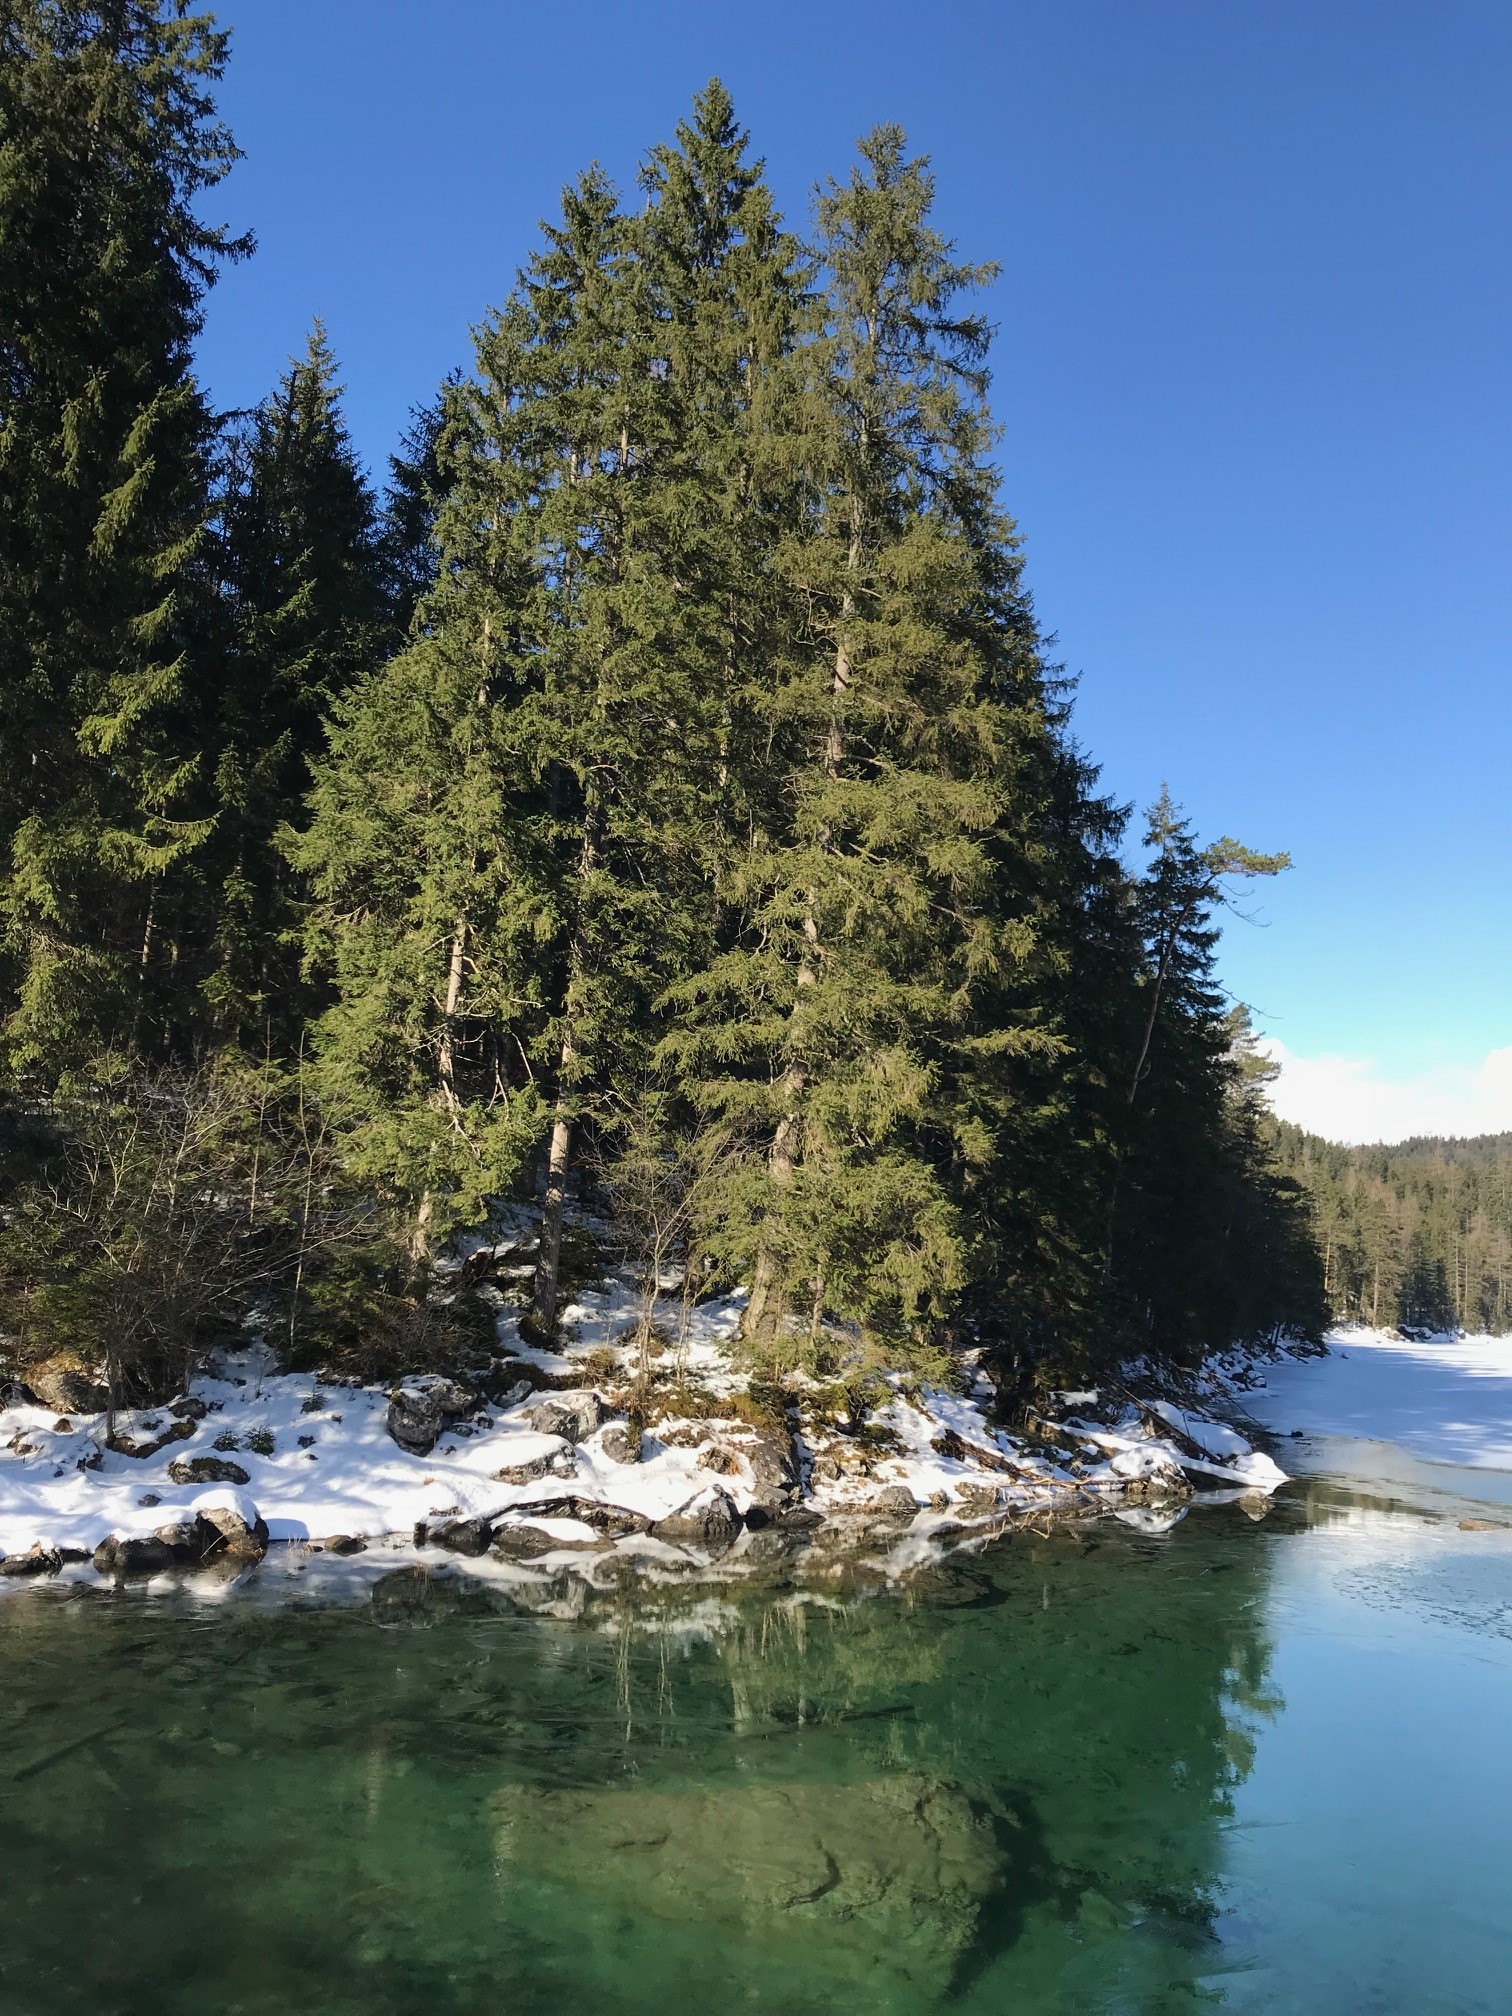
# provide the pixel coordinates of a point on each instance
(1351, 1099)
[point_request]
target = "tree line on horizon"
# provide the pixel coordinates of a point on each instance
(1414, 1236)
(662, 793)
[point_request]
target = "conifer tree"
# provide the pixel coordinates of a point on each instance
(411, 510)
(729, 291)
(307, 613)
(1186, 1141)
(424, 924)
(108, 142)
(637, 353)
(829, 1030)
(593, 485)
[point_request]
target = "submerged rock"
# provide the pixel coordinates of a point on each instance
(876, 1885)
(414, 1595)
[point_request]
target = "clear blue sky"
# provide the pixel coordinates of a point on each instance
(1255, 329)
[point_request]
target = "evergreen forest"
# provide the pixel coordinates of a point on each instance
(1416, 1236)
(653, 804)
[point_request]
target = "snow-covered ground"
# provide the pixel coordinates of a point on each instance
(314, 1460)
(1444, 1399)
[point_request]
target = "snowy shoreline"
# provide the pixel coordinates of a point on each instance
(532, 1466)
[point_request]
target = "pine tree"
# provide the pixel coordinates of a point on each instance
(829, 1032)
(303, 579)
(1172, 1208)
(559, 661)
(107, 143)
(425, 921)
(412, 507)
(614, 428)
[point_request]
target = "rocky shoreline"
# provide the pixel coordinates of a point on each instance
(543, 1459)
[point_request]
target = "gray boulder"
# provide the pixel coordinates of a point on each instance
(574, 1416)
(895, 1502)
(418, 1420)
(523, 1473)
(463, 1536)
(115, 1556)
(621, 1442)
(38, 1560)
(774, 1463)
(64, 1383)
(977, 1501)
(179, 1432)
(710, 1520)
(189, 1540)
(614, 1520)
(229, 1525)
(206, 1470)
(414, 1424)
(345, 1543)
(521, 1542)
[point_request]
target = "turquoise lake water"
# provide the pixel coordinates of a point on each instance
(1242, 1766)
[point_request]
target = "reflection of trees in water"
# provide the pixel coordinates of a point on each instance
(1010, 1776)
(1099, 1694)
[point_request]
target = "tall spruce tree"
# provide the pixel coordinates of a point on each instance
(1187, 1154)
(828, 1030)
(307, 613)
(424, 923)
(622, 418)
(108, 142)
(412, 508)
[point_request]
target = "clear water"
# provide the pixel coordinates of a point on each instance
(1239, 1767)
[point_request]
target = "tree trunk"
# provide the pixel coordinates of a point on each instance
(764, 1311)
(144, 961)
(549, 1258)
(419, 1239)
(446, 1056)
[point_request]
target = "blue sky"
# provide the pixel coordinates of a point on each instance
(1252, 368)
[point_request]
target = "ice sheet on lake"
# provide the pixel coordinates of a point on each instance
(1446, 1399)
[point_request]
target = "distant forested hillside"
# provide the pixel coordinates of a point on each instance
(1417, 1234)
